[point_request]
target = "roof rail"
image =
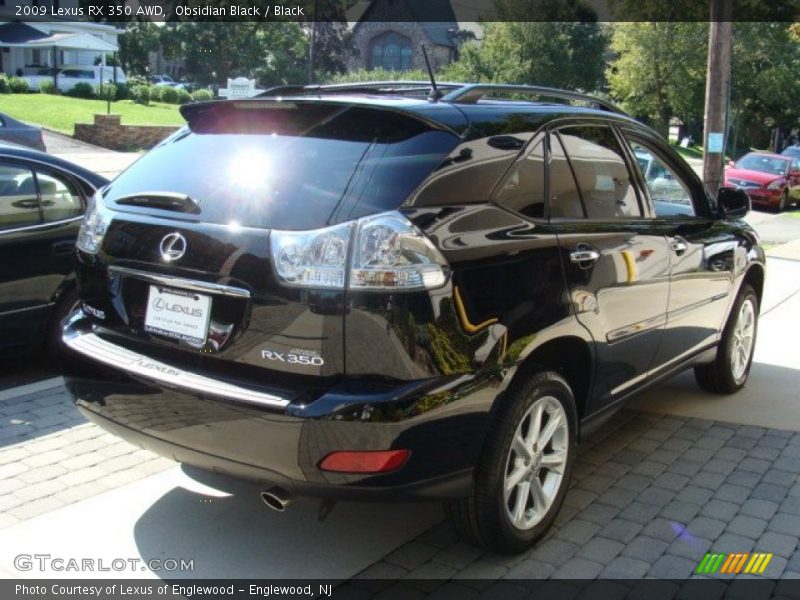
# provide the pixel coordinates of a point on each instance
(375, 87)
(471, 93)
(458, 93)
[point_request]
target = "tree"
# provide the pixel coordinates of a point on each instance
(558, 54)
(136, 44)
(765, 85)
(658, 70)
(272, 52)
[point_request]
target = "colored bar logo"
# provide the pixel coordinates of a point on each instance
(734, 563)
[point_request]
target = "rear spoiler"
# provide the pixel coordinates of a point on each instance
(200, 115)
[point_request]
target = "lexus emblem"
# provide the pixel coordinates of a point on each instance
(173, 246)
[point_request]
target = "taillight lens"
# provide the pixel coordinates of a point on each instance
(94, 226)
(383, 252)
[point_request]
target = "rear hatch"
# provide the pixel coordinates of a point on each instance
(185, 270)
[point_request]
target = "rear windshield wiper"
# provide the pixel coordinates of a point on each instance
(163, 200)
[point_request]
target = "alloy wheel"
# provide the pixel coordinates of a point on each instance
(743, 339)
(536, 463)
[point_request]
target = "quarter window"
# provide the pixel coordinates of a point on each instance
(670, 195)
(601, 173)
(522, 189)
(19, 204)
(59, 198)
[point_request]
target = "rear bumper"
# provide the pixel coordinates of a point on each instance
(283, 443)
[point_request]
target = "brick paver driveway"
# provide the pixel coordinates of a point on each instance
(650, 497)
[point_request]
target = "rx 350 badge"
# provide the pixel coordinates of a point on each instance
(294, 356)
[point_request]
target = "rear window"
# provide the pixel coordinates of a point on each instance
(287, 166)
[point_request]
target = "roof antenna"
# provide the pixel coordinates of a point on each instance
(435, 94)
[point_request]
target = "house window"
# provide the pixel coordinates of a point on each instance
(391, 51)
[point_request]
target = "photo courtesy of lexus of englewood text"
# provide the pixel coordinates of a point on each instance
(399, 299)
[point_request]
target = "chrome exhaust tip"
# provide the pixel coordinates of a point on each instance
(276, 499)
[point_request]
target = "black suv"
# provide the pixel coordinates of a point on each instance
(368, 291)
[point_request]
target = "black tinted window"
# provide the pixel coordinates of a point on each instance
(19, 204)
(293, 168)
(601, 173)
(522, 188)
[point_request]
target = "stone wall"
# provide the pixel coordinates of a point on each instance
(109, 132)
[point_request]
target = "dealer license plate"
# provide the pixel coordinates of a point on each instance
(178, 314)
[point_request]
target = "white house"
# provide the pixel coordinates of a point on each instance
(28, 48)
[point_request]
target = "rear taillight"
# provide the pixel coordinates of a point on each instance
(94, 226)
(380, 461)
(382, 252)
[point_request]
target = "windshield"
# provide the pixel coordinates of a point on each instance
(290, 168)
(774, 165)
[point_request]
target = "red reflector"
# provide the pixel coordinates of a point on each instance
(379, 461)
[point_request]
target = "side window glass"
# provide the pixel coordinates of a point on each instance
(565, 200)
(522, 189)
(60, 200)
(19, 204)
(671, 196)
(600, 170)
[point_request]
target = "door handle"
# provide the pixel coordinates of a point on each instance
(679, 246)
(582, 256)
(64, 248)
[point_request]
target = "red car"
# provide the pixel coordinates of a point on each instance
(769, 179)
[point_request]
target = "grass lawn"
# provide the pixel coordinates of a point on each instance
(690, 152)
(61, 112)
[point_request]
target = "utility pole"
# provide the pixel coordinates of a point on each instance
(312, 44)
(717, 81)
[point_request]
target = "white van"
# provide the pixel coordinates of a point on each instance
(69, 76)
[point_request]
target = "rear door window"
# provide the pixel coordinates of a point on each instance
(19, 203)
(601, 172)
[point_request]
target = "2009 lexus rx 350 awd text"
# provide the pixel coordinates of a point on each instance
(366, 292)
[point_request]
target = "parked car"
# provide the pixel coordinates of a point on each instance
(68, 77)
(42, 200)
(162, 80)
(18, 132)
(769, 179)
(792, 151)
(497, 279)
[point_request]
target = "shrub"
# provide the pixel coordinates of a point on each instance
(5, 88)
(183, 96)
(134, 80)
(140, 94)
(202, 95)
(379, 75)
(123, 91)
(48, 87)
(107, 91)
(81, 90)
(155, 93)
(18, 85)
(169, 95)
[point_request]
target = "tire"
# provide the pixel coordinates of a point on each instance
(783, 204)
(66, 304)
(491, 517)
(728, 372)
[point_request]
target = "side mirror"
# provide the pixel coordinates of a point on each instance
(732, 203)
(731, 163)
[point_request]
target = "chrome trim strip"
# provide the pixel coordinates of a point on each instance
(89, 344)
(628, 331)
(179, 282)
(42, 225)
